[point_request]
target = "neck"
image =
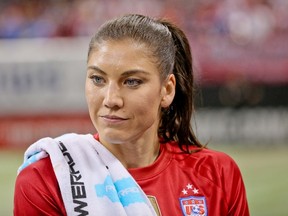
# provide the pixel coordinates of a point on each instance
(136, 154)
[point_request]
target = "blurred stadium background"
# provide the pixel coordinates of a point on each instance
(240, 51)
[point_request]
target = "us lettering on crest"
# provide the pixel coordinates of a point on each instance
(193, 206)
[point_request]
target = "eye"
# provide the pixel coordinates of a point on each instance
(97, 80)
(133, 82)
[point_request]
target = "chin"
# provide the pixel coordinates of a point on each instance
(113, 137)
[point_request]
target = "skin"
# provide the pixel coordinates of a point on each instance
(124, 95)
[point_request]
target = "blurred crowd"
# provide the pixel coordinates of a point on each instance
(243, 20)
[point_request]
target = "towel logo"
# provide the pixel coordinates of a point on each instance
(193, 206)
(124, 191)
(77, 185)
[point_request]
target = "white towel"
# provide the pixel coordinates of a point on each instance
(92, 181)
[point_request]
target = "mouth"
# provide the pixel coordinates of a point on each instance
(113, 118)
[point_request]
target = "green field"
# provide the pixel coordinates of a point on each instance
(9, 162)
(265, 172)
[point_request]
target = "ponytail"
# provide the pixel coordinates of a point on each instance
(176, 120)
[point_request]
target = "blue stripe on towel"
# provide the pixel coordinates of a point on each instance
(124, 190)
(33, 158)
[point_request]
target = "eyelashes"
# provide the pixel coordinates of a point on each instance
(129, 82)
(97, 80)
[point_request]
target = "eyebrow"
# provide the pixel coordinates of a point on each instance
(126, 73)
(95, 68)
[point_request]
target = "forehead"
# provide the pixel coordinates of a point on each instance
(125, 53)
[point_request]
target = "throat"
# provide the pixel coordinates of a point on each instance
(136, 153)
(136, 158)
(141, 161)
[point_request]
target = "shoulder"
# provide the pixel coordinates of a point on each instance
(37, 190)
(203, 155)
(215, 162)
(207, 163)
(39, 173)
(210, 156)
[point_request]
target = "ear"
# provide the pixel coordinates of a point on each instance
(168, 91)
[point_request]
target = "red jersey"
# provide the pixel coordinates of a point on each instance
(198, 184)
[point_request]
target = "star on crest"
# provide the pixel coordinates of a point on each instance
(189, 189)
(195, 191)
(184, 191)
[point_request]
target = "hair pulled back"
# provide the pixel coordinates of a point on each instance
(170, 48)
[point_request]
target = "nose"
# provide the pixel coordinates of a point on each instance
(112, 97)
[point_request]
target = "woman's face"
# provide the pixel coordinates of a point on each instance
(124, 91)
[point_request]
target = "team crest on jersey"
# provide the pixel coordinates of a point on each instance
(193, 206)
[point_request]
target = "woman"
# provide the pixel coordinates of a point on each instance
(145, 158)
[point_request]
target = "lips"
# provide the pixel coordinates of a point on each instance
(113, 118)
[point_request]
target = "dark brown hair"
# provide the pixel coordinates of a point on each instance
(170, 47)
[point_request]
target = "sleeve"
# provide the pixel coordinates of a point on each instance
(37, 191)
(234, 188)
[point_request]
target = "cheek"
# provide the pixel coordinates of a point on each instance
(148, 107)
(88, 94)
(91, 98)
